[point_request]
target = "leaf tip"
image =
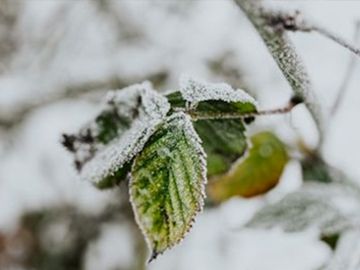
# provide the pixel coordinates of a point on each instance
(153, 256)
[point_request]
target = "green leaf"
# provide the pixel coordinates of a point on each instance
(314, 168)
(176, 100)
(211, 97)
(256, 174)
(196, 91)
(110, 124)
(114, 179)
(167, 184)
(105, 147)
(224, 140)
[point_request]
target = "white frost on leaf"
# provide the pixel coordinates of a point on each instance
(175, 197)
(184, 121)
(347, 253)
(153, 105)
(195, 90)
(315, 205)
(150, 109)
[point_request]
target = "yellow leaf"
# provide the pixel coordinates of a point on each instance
(256, 174)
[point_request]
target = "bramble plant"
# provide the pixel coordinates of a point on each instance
(168, 146)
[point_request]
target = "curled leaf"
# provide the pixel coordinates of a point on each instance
(167, 184)
(104, 146)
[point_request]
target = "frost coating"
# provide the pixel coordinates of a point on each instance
(167, 183)
(118, 152)
(140, 110)
(195, 91)
(347, 253)
(323, 206)
(223, 139)
(153, 105)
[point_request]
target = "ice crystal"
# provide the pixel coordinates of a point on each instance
(195, 91)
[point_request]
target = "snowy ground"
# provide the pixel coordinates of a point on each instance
(64, 46)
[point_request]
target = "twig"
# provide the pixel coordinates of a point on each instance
(283, 52)
(348, 74)
(295, 22)
(196, 115)
(325, 32)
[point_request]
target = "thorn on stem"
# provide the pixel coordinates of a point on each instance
(295, 100)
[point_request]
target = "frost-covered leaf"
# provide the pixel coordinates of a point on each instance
(347, 253)
(195, 91)
(223, 140)
(331, 208)
(167, 183)
(104, 146)
(314, 168)
(115, 178)
(207, 98)
(175, 99)
(254, 175)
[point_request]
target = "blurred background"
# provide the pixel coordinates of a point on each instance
(57, 60)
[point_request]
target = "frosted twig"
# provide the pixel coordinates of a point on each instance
(283, 52)
(348, 74)
(234, 115)
(325, 32)
(296, 22)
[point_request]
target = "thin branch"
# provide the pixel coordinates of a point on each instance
(348, 74)
(296, 22)
(283, 52)
(325, 32)
(197, 115)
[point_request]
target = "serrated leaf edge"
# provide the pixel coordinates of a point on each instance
(226, 94)
(141, 129)
(195, 139)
